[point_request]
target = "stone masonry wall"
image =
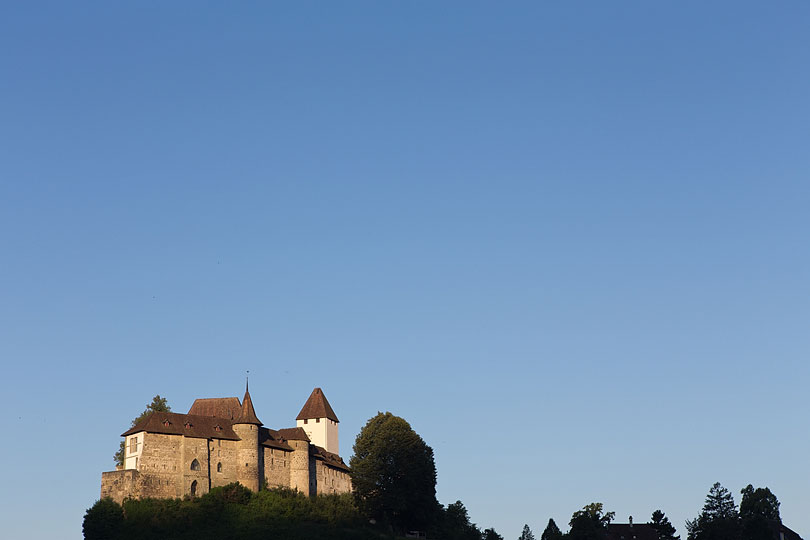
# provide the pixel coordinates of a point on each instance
(118, 485)
(223, 452)
(277, 467)
(161, 460)
(329, 480)
(195, 449)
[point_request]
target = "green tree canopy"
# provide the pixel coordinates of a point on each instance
(393, 474)
(718, 520)
(590, 523)
(662, 525)
(527, 533)
(552, 532)
(102, 520)
(159, 404)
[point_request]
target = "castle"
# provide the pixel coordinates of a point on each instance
(220, 441)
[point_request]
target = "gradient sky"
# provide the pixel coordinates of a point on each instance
(568, 242)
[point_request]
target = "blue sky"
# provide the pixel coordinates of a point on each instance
(567, 242)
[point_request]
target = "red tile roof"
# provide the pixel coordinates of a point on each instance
(272, 439)
(317, 407)
(333, 460)
(226, 407)
(190, 425)
(635, 531)
(293, 434)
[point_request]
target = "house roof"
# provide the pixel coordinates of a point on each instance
(247, 415)
(227, 407)
(777, 527)
(293, 434)
(631, 531)
(272, 439)
(317, 407)
(332, 459)
(189, 425)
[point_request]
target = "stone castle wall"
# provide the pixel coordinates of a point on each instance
(277, 464)
(165, 469)
(329, 480)
(224, 453)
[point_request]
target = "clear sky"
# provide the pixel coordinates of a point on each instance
(567, 241)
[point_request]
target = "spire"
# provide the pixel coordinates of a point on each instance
(317, 407)
(248, 415)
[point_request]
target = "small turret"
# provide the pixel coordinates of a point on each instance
(246, 427)
(248, 414)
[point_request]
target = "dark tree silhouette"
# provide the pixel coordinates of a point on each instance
(662, 525)
(552, 532)
(718, 520)
(490, 534)
(758, 509)
(590, 523)
(526, 534)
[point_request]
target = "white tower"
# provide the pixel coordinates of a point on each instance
(320, 422)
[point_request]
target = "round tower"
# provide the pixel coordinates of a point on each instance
(246, 426)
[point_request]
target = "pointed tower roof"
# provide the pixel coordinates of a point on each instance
(317, 407)
(248, 415)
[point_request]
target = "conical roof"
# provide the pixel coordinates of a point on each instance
(317, 407)
(248, 415)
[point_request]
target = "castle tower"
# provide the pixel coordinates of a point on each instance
(246, 427)
(320, 422)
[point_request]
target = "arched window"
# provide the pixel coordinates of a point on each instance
(195, 465)
(194, 487)
(219, 467)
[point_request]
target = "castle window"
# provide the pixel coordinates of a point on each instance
(166, 423)
(133, 445)
(217, 428)
(194, 488)
(188, 425)
(317, 420)
(219, 467)
(195, 466)
(305, 420)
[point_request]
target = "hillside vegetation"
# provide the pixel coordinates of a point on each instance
(230, 512)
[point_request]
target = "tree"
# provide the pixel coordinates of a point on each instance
(718, 520)
(759, 502)
(758, 508)
(526, 534)
(103, 520)
(456, 524)
(393, 474)
(552, 532)
(490, 534)
(661, 524)
(590, 523)
(159, 404)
